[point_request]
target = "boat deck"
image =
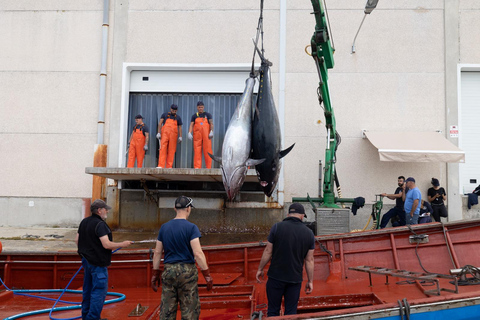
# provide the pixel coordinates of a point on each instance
(363, 275)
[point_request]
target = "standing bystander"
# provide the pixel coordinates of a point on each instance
(412, 198)
(180, 240)
(94, 241)
(437, 197)
(290, 245)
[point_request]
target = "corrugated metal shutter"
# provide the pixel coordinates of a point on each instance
(152, 106)
(470, 115)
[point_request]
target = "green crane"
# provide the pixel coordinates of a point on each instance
(322, 53)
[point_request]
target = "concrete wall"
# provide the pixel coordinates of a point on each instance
(400, 78)
(42, 211)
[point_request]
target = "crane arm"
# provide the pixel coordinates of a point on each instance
(322, 53)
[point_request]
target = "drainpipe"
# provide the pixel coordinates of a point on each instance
(281, 91)
(100, 151)
(103, 74)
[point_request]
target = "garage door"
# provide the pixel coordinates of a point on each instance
(469, 130)
(152, 105)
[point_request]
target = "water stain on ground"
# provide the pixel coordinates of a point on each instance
(206, 239)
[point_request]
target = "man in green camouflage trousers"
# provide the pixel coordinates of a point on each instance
(179, 240)
(180, 280)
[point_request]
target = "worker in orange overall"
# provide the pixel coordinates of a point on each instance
(201, 125)
(169, 134)
(138, 143)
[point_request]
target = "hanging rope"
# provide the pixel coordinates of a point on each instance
(258, 35)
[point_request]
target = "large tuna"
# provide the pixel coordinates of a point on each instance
(237, 144)
(266, 137)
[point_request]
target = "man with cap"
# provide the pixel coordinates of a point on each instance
(412, 197)
(179, 239)
(94, 241)
(290, 245)
(201, 124)
(169, 134)
(138, 143)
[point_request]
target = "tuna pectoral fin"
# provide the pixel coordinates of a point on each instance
(218, 159)
(283, 153)
(253, 162)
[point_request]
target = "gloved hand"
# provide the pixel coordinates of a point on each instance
(190, 136)
(208, 279)
(179, 139)
(159, 136)
(155, 280)
(145, 147)
(210, 135)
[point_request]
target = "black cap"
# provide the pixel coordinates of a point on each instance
(138, 116)
(174, 107)
(183, 202)
(200, 103)
(97, 204)
(435, 182)
(410, 179)
(296, 208)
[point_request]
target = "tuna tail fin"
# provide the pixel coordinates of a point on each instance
(215, 158)
(254, 162)
(283, 153)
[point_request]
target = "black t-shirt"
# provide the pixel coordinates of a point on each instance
(141, 127)
(201, 115)
(168, 115)
(399, 203)
(291, 241)
(432, 192)
(90, 247)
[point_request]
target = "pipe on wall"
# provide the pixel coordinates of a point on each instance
(103, 74)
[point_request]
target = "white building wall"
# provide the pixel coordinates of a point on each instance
(49, 80)
(49, 66)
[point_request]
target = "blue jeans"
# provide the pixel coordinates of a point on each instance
(275, 290)
(410, 219)
(95, 287)
(394, 212)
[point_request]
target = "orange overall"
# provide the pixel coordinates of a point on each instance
(168, 142)
(136, 147)
(201, 129)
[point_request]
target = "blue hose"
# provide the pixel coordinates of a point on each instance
(120, 296)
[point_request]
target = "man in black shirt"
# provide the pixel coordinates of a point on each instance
(398, 210)
(290, 245)
(94, 241)
(437, 197)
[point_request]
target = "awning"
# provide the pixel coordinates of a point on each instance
(415, 147)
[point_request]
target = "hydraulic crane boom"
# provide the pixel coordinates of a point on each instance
(322, 53)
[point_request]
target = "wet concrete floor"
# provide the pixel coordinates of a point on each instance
(36, 240)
